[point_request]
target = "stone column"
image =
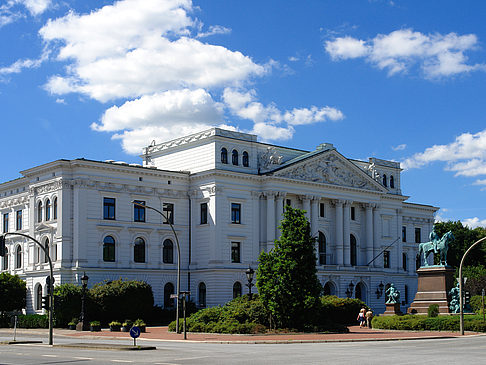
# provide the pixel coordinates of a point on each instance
(376, 234)
(270, 195)
(257, 226)
(399, 243)
(279, 215)
(339, 232)
(346, 233)
(314, 215)
(306, 205)
(369, 232)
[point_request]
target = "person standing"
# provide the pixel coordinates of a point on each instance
(361, 318)
(369, 317)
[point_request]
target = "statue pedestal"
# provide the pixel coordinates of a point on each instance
(434, 283)
(392, 309)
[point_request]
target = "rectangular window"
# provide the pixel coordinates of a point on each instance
(322, 210)
(19, 220)
(404, 261)
(404, 234)
(138, 211)
(235, 252)
(288, 202)
(418, 237)
(5, 223)
(204, 213)
(386, 259)
(168, 209)
(353, 213)
(235, 213)
(109, 208)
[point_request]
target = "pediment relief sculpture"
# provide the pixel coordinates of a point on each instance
(328, 169)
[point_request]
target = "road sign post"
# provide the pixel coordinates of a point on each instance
(135, 333)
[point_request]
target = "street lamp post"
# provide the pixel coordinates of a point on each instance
(249, 276)
(83, 319)
(461, 300)
(178, 257)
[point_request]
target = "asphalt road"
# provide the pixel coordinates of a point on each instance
(466, 350)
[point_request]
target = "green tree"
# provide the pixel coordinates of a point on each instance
(13, 293)
(287, 276)
(68, 303)
(463, 238)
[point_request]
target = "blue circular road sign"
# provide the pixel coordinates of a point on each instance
(135, 332)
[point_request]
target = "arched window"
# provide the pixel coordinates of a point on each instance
(168, 252)
(18, 257)
(246, 160)
(329, 288)
(236, 290)
(201, 291)
(384, 180)
(48, 210)
(139, 250)
(322, 249)
(39, 212)
(234, 157)
(224, 155)
(168, 290)
(46, 252)
(360, 292)
(38, 298)
(5, 259)
(392, 182)
(54, 209)
(353, 250)
(109, 249)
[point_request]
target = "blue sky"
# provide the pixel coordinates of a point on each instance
(398, 80)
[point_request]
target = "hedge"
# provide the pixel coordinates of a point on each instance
(340, 310)
(33, 321)
(423, 323)
(67, 303)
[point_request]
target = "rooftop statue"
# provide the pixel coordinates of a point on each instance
(392, 294)
(437, 246)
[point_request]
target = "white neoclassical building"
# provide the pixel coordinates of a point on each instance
(225, 194)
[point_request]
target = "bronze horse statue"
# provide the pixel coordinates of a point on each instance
(437, 246)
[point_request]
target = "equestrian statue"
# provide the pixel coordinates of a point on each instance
(437, 246)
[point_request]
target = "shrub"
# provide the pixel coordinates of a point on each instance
(433, 310)
(95, 323)
(476, 303)
(33, 321)
(340, 310)
(423, 323)
(121, 298)
(67, 303)
(115, 324)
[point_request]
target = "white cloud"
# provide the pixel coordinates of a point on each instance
(60, 101)
(474, 222)
(436, 54)
(138, 47)
(11, 10)
(270, 122)
(466, 156)
(19, 65)
(400, 147)
(214, 29)
(165, 115)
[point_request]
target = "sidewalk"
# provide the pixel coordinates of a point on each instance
(162, 334)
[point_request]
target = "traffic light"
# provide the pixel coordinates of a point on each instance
(45, 302)
(2, 245)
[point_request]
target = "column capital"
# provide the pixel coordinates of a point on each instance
(305, 197)
(337, 202)
(348, 202)
(281, 194)
(269, 194)
(256, 194)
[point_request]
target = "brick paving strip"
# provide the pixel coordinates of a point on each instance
(162, 334)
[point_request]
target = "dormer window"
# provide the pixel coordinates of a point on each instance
(245, 159)
(392, 182)
(384, 180)
(234, 157)
(224, 155)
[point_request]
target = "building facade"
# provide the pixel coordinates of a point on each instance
(224, 193)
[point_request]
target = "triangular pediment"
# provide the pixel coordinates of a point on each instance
(329, 167)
